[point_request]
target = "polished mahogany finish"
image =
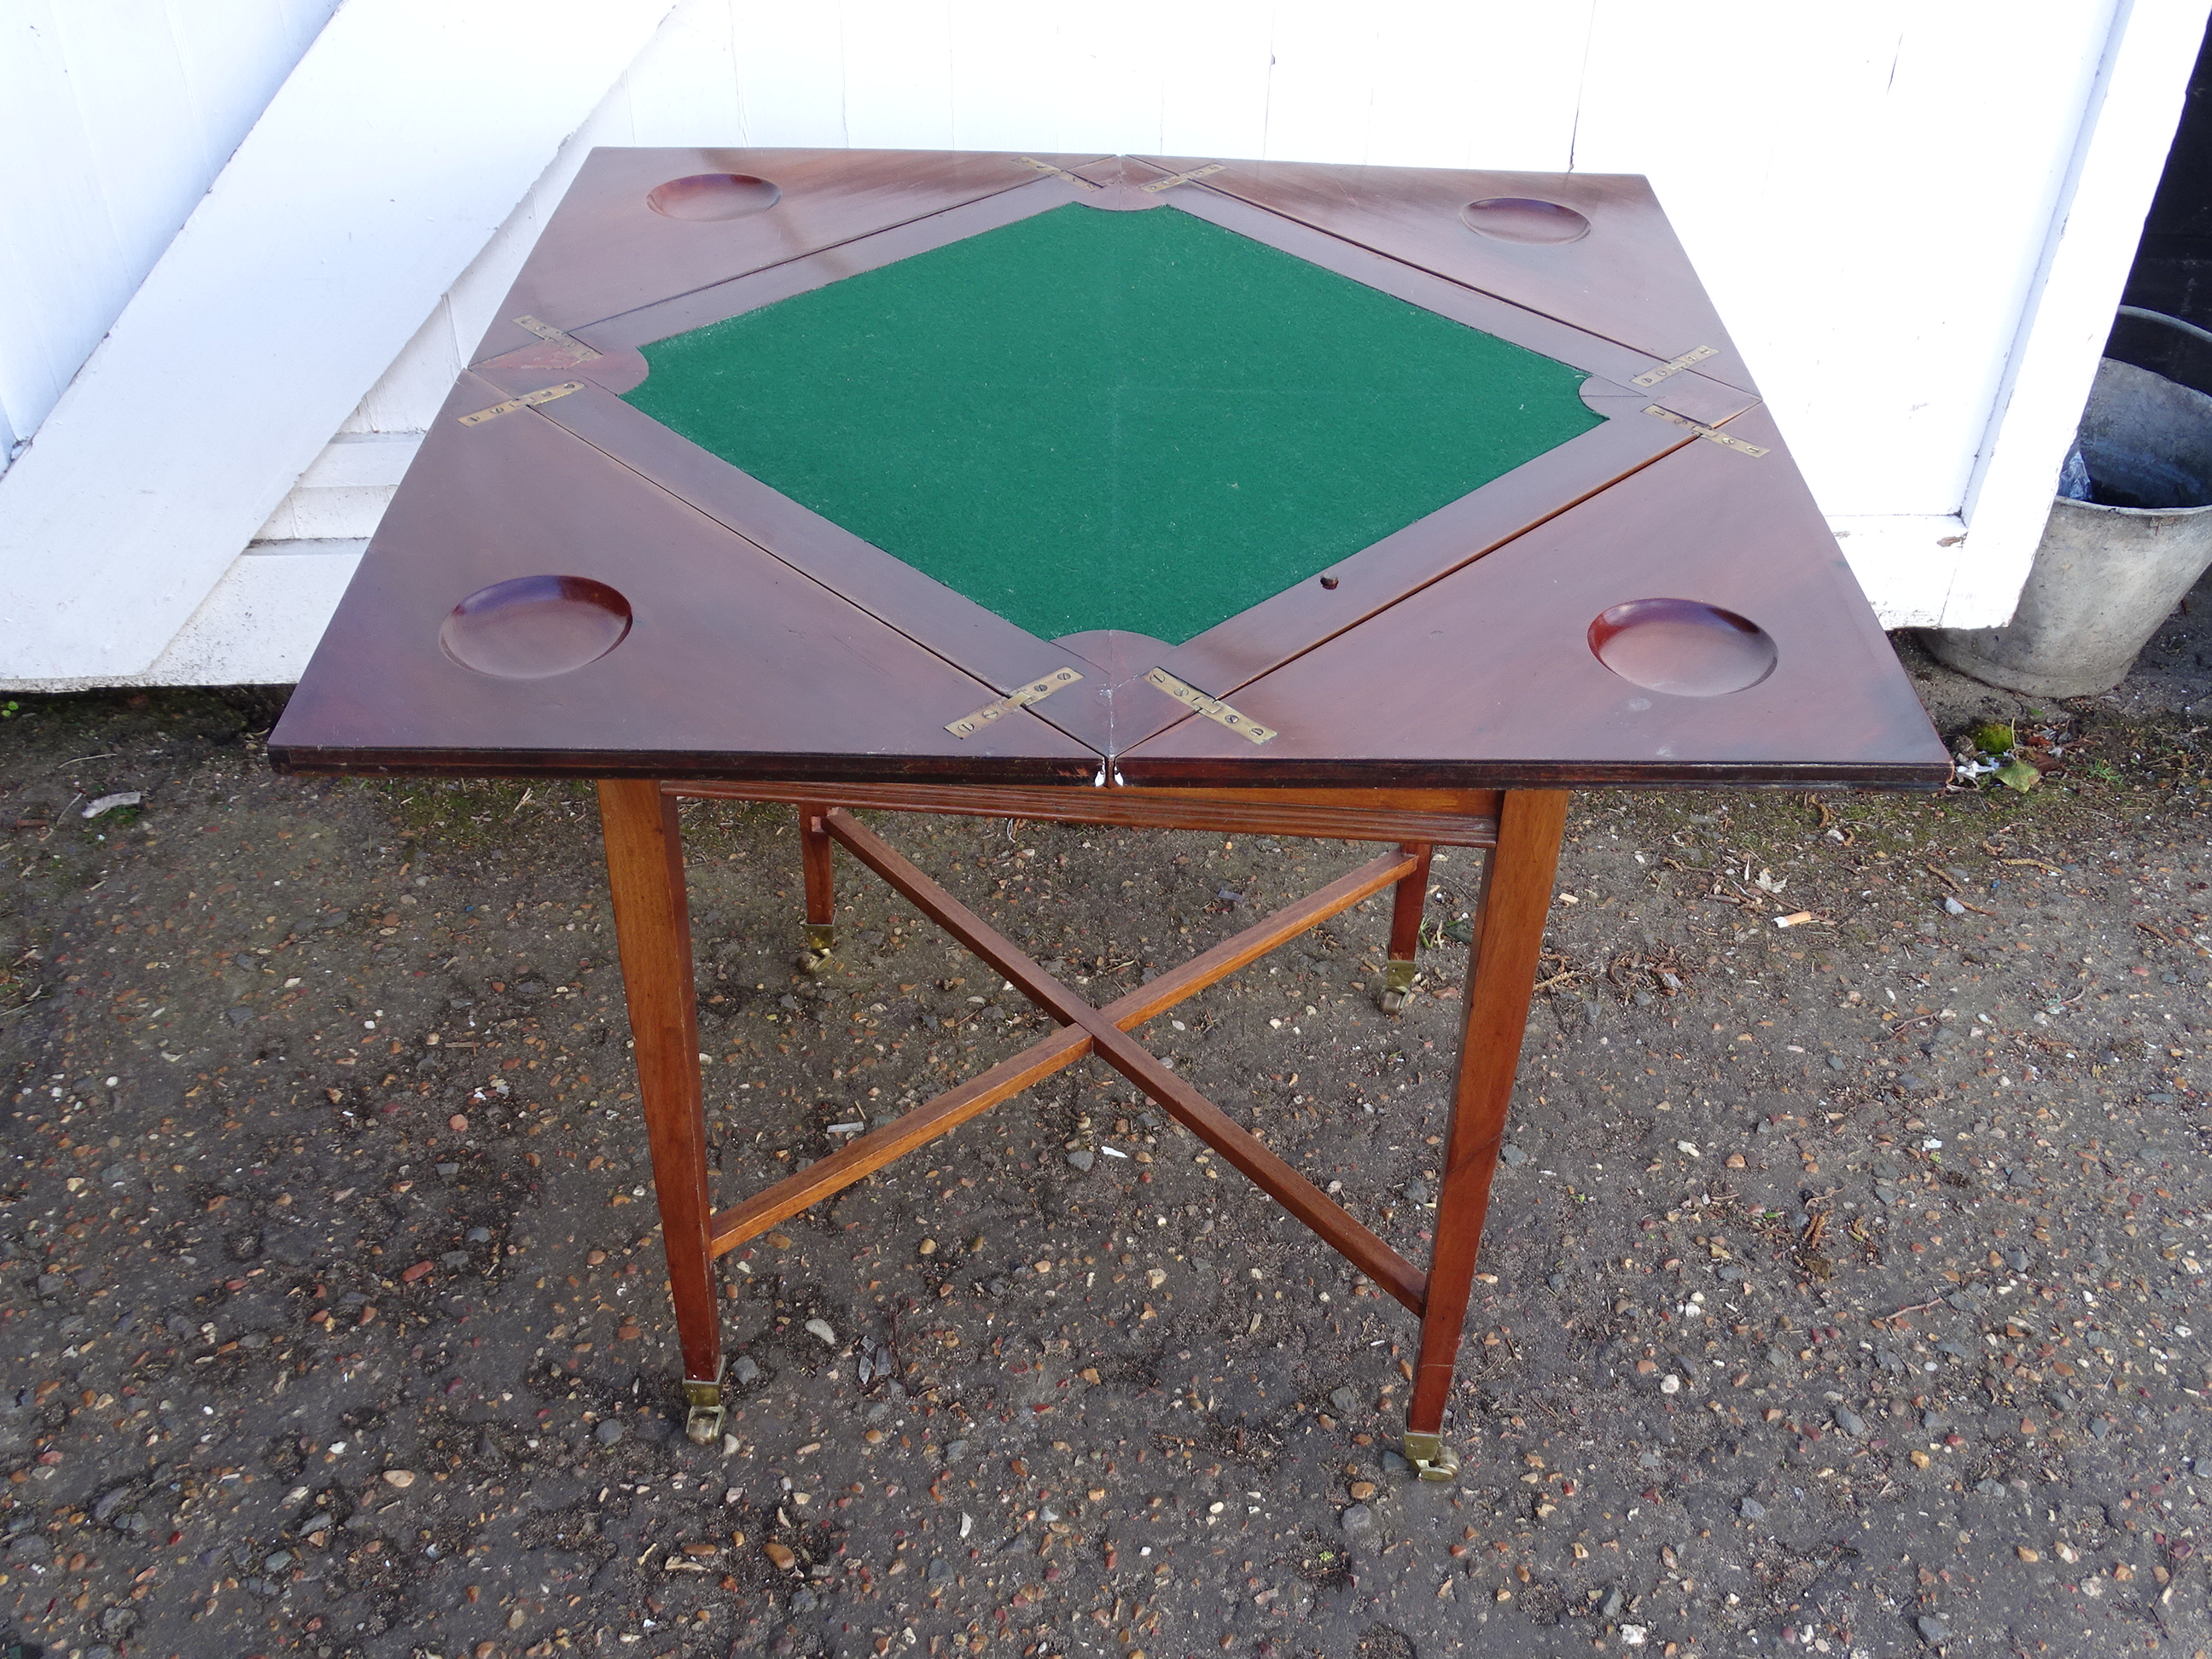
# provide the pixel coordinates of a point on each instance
(1626, 278)
(734, 634)
(564, 587)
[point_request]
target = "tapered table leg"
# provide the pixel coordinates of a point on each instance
(1508, 935)
(645, 870)
(1406, 907)
(815, 847)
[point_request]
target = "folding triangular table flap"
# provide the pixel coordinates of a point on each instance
(640, 225)
(1594, 250)
(1695, 624)
(529, 606)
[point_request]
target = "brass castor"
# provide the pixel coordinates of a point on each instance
(703, 1423)
(1397, 986)
(821, 941)
(1431, 1459)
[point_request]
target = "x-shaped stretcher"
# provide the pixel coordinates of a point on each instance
(1520, 829)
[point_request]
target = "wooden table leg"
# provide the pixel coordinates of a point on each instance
(1405, 908)
(1509, 934)
(815, 847)
(645, 870)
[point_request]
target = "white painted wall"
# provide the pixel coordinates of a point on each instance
(1916, 219)
(115, 117)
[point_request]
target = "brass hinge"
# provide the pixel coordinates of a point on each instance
(546, 395)
(1213, 707)
(1675, 366)
(1057, 172)
(1035, 691)
(1159, 185)
(577, 350)
(1705, 432)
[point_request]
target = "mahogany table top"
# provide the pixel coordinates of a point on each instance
(870, 466)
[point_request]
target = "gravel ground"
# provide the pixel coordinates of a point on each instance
(1845, 1288)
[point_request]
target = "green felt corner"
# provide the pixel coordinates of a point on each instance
(1092, 419)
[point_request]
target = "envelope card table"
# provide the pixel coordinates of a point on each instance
(1376, 504)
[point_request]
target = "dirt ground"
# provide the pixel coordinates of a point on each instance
(1845, 1289)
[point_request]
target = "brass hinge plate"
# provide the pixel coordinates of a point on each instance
(577, 350)
(1057, 172)
(1667, 370)
(1035, 691)
(545, 395)
(1213, 707)
(1170, 182)
(1709, 434)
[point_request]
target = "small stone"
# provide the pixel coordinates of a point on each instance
(1933, 1628)
(1632, 1636)
(744, 1369)
(927, 1247)
(459, 1123)
(1358, 1521)
(1083, 1159)
(1512, 1154)
(1344, 1401)
(609, 1431)
(1849, 1421)
(402, 1479)
(276, 1561)
(955, 1450)
(820, 1329)
(780, 1240)
(781, 1555)
(1752, 1509)
(1362, 1490)
(1614, 1602)
(2025, 1553)
(479, 1235)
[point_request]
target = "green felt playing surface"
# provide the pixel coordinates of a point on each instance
(1092, 419)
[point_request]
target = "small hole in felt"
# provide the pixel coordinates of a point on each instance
(534, 627)
(1328, 581)
(713, 195)
(1682, 647)
(1524, 219)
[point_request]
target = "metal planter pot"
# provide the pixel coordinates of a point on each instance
(2111, 569)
